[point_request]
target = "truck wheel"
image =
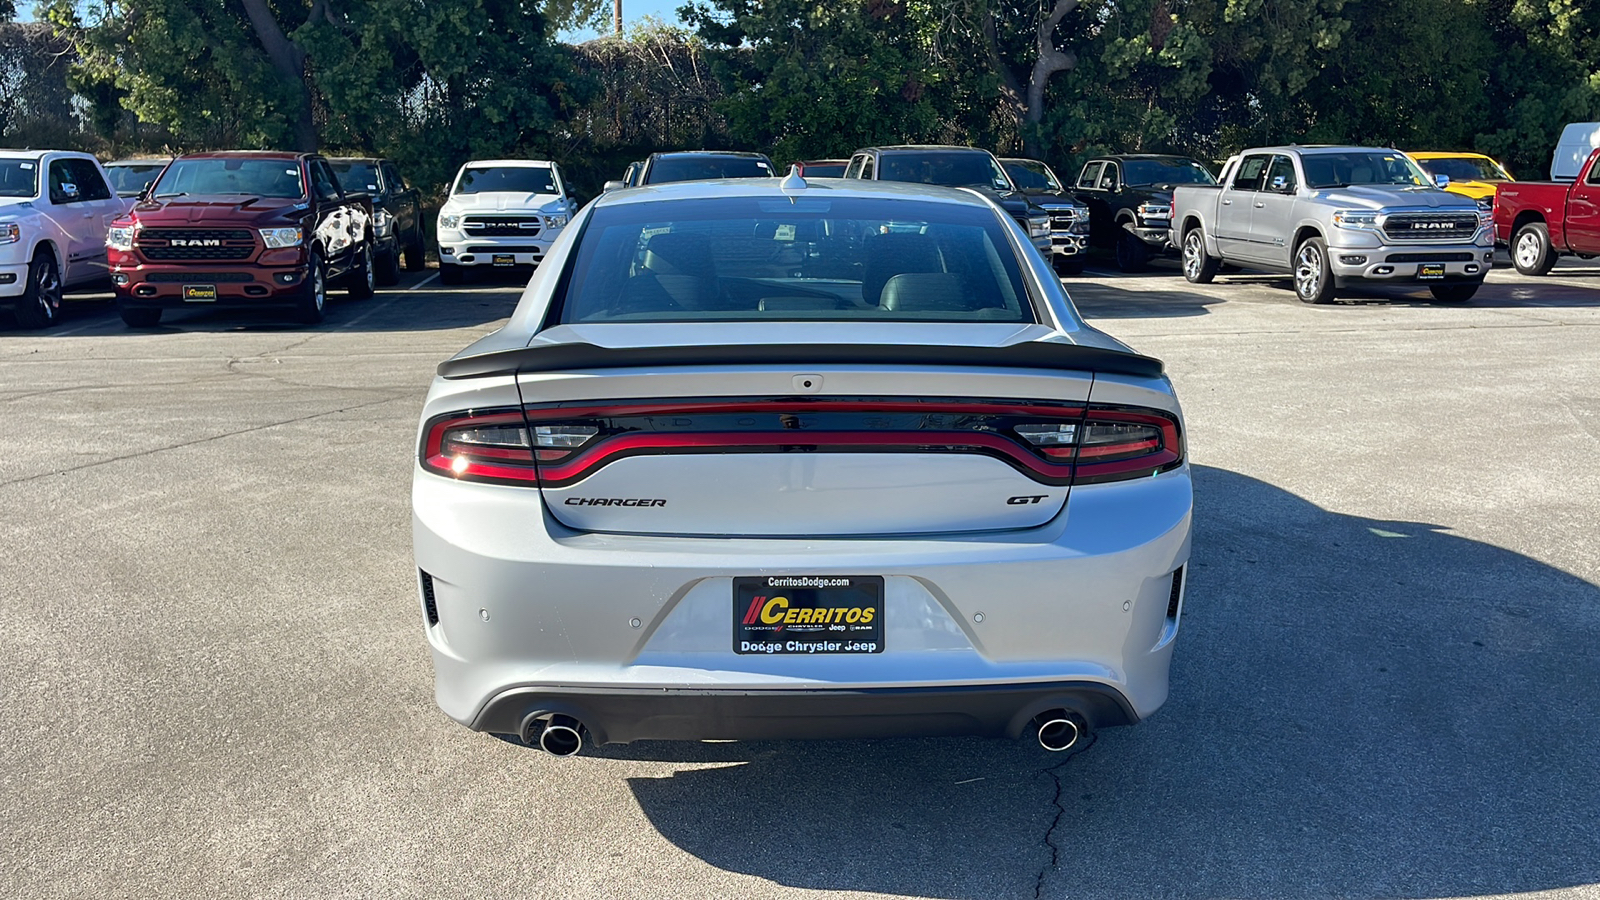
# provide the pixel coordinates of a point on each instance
(450, 273)
(416, 259)
(389, 266)
(139, 316)
(1069, 265)
(1313, 279)
(1531, 252)
(41, 299)
(1453, 293)
(1198, 268)
(1132, 254)
(314, 299)
(362, 280)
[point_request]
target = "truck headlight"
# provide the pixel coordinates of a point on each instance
(1155, 211)
(1360, 220)
(382, 222)
(277, 238)
(450, 221)
(118, 237)
(555, 221)
(10, 232)
(1038, 226)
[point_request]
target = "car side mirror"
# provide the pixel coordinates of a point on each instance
(613, 186)
(144, 192)
(1441, 180)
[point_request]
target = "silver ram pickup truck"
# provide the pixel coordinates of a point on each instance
(1334, 216)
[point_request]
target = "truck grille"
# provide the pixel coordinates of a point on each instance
(1431, 226)
(510, 226)
(195, 243)
(1428, 257)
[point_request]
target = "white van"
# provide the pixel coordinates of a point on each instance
(1578, 140)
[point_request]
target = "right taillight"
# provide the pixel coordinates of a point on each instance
(1112, 443)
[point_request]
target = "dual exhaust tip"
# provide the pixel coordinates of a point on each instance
(1057, 730)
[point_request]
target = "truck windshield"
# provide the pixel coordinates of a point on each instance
(950, 169)
(1165, 171)
(357, 177)
(1465, 168)
(706, 167)
(131, 178)
(279, 178)
(1031, 175)
(810, 259)
(19, 178)
(1342, 169)
(507, 179)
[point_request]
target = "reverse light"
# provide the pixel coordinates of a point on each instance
(118, 237)
(1360, 220)
(278, 238)
(1048, 435)
(10, 232)
(1113, 443)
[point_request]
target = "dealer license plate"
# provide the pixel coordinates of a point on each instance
(200, 293)
(1430, 271)
(808, 614)
(504, 259)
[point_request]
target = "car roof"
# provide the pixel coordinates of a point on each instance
(370, 159)
(1120, 156)
(245, 154)
(510, 163)
(140, 161)
(739, 153)
(824, 162)
(770, 187)
(923, 148)
(1448, 154)
(40, 154)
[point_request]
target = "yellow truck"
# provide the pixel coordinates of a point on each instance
(1471, 174)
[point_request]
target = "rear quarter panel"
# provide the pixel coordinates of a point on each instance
(1545, 199)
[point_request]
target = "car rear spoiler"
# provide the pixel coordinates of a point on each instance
(1031, 355)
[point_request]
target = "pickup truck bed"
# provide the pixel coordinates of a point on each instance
(1541, 220)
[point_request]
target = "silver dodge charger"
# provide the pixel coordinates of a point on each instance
(762, 459)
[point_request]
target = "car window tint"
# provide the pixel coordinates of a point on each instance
(506, 179)
(61, 181)
(868, 170)
(1282, 167)
(279, 178)
(1166, 171)
(18, 178)
(392, 179)
(86, 175)
(1594, 174)
(1252, 173)
(826, 259)
(360, 177)
(1108, 178)
(1091, 175)
(950, 169)
(824, 170)
(667, 169)
(322, 181)
(131, 179)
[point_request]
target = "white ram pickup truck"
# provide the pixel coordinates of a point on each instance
(501, 213)
(1334, 217)
(55, 207)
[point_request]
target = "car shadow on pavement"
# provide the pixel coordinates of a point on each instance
(1521, 291)
(1360, 708)
(1105, 301)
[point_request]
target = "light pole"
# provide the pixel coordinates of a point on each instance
(616, 17)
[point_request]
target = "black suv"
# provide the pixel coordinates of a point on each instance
(961, 167)
(1130, 202)
(397, 213)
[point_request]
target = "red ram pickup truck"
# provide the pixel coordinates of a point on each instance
(1540, 220)
(241, 229)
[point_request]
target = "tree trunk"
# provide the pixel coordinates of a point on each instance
(1050, 61)
(289, 59)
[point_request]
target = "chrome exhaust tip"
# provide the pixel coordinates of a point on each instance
(562, 736)
(1057, 731)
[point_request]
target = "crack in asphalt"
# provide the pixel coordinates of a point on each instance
(1049, 835)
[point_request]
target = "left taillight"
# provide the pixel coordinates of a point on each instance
(490, 446)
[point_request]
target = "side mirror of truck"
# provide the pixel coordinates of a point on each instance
(612, 186)
(1442, 181)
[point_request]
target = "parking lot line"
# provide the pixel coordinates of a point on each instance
(423, 282)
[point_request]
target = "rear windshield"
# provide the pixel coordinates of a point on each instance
(949, 169)
(356, 177)
(253, 177)
(511, 179)
(19, 178)
(131, 179)
(705, 168)
(815, 259)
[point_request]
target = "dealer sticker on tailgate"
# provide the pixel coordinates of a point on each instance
(808, 614)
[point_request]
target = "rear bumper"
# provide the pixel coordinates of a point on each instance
(624, 716)
(633, 634)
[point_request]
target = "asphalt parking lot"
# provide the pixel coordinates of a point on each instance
(213, 681)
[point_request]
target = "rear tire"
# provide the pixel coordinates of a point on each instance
(1453, 293)
(1531, 252)
(362, 280)
(40, 303)
(1313, 278)
(450, 273)
(1069, 265)
(139, 316)
(1198, 268)
(389, 267)
(314, 300)
(1132, 253)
